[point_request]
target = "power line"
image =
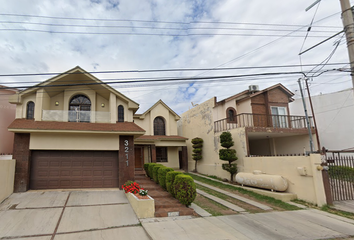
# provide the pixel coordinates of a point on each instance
(166, 70)
(153, 21)
(175, 79)
(156, 27)
(151, 34)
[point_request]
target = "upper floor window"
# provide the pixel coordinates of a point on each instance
(279, 117)
(159, 126)
(79, 109)
(30, 110)
(231, 115)
(120, 113)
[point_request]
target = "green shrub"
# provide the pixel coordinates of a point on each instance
(185, 189)
(146, 168)
(228, 154)
(155, 170)
(162, 176)
(344, 173)
(197, 150)
(170, 178)
(150, 168)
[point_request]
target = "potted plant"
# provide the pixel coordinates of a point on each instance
(142, 204)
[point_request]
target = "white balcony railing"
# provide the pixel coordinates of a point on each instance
(76, 116)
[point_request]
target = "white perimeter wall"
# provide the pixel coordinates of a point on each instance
(307, 187)
(334, 114)
(7, 176)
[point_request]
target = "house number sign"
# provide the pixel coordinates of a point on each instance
(126, 150)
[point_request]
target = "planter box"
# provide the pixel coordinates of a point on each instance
(143, 208)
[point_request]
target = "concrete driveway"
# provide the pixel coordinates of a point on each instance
(47, 215)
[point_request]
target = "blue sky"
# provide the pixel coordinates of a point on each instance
(154, 35)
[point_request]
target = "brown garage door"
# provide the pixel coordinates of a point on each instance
(74, 169)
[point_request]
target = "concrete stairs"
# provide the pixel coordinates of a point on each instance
(165, 204)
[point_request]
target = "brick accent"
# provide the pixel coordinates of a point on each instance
(277, 95)
(153, 153)
(126, 159)
(22, 154)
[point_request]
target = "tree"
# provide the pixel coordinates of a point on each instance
(228, 154)
(197, 150)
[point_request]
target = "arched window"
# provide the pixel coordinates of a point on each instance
(159, 126)
(79, 109)
(30, 110)
(120, 113)
(231, 115)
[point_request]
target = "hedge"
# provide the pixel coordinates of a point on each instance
(185, 189)
(150, 168)
(170, 177)
(155, 172)
(146, 168)
(162, 176)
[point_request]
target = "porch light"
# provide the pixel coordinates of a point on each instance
(102, 105)
(56, 103)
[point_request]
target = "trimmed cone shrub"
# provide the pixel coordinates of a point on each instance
(150, 168)
(197, 151)
(228, 154)
(155, 172)
(162, 176)
(185, 189)
(170, 178)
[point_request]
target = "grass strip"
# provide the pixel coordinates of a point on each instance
(272, 201)
(198, 201)
(326, 208)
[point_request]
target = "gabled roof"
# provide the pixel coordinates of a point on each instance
(280, 86)
(11, 89)
(247, 94)
(142, 116)
(77, 77)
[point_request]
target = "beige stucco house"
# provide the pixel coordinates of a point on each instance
(160, 142)
(259, 121)
(7, 115)
(74, 131)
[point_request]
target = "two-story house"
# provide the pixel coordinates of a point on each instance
(74, 131)
(259, 121)
(7, 115)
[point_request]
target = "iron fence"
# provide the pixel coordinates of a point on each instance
(341, 177)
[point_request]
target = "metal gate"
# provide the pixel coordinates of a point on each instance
(341, 176)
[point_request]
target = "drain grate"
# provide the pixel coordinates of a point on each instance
(173, 214)
(13, 206)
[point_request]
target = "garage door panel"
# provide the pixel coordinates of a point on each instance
(73, 169)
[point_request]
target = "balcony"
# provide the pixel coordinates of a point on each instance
(262, 120)
(76, 116)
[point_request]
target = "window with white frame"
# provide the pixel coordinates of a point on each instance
(279, 117)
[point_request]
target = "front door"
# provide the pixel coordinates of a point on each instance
(139, 157)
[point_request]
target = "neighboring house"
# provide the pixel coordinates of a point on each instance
(160, 142)
(334, 114)
(7, 115)
(259, 121)
(74, 131)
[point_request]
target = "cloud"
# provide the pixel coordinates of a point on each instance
(31, 52)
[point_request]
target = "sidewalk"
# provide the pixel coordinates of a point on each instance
(301, 224)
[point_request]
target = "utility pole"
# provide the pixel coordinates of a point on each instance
(306, 116)
(348, 25)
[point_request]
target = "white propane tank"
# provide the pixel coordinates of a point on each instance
(259, 180)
